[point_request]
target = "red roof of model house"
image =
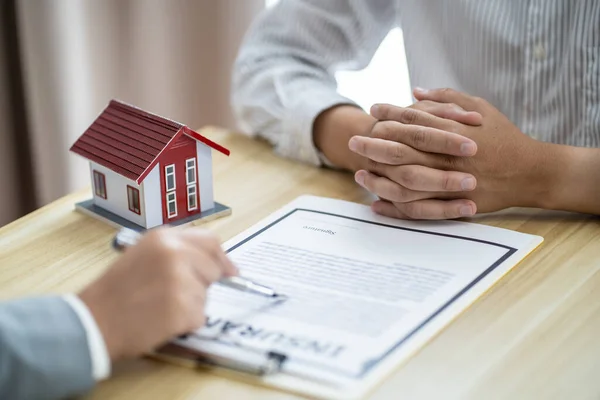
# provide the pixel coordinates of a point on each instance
(129, 140)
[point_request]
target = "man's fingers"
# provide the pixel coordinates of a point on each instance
(388, 209)
(426, 209)
(205, 241)
(447, 95)
(420, 130)
(387, 151)
(408, 116)
(190, 312)
(205, 268)
(418, 177)
(230, 268)
(429, 140)
(449, 111)
(387, 189)
(412, 182)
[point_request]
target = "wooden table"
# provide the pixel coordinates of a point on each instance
(536, 334)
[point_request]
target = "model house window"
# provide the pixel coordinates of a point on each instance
(192, 204)
(190, 180)
(133, 199)
(100, 184)
(190, 167)
(170, 185)
(171, 205)
(170, 177)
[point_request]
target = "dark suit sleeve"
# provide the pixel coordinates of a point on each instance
(44, 352)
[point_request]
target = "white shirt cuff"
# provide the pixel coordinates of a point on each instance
(98, 352)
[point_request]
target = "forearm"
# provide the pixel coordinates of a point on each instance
(333, 129)
(284, 75)
(575, 185)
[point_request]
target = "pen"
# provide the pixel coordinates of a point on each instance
(128, 237)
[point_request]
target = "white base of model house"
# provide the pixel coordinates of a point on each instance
(89, 208)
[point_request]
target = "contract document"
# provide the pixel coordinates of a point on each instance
(365, 292)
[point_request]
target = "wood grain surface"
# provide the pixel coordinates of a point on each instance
(535, 335)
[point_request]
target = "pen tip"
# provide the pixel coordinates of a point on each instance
(279, 297)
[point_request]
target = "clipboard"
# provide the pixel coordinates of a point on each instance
(264, 371)
(279, 369)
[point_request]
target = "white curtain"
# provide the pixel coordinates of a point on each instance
(172, 57)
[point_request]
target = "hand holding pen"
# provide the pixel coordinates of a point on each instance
(127, 237)
(197, 248)
(156, 290)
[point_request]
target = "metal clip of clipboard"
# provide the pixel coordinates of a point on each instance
(232, 357)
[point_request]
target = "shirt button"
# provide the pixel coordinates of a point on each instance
(539, 52)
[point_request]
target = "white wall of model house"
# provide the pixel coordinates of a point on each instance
(152, 198)
(205, 176)
(116, 194)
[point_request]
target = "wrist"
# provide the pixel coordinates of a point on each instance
(94, 303)
(334, 127)
(547, 175)
(575, 182)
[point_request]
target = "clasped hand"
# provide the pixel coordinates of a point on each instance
(449, 155)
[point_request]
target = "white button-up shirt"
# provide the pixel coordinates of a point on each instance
(537, 61)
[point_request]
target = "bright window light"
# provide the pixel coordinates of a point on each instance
(384, 80)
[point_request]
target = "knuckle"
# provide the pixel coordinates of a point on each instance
(447, 91)
(447, 143)
(381, 130)
(423, 105)
(372, 166)
(420, 138)
(408, 177)
(452, 107)
(446, 181)
(173, 278)
(211, 273)
(212, 240)
(409, 116)
(395, 152)
(399, 194)
(413, 210)
(157, 236)
(169, 251)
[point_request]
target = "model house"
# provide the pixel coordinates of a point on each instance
(147, 170)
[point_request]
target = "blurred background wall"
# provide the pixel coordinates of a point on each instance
(62, 60)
